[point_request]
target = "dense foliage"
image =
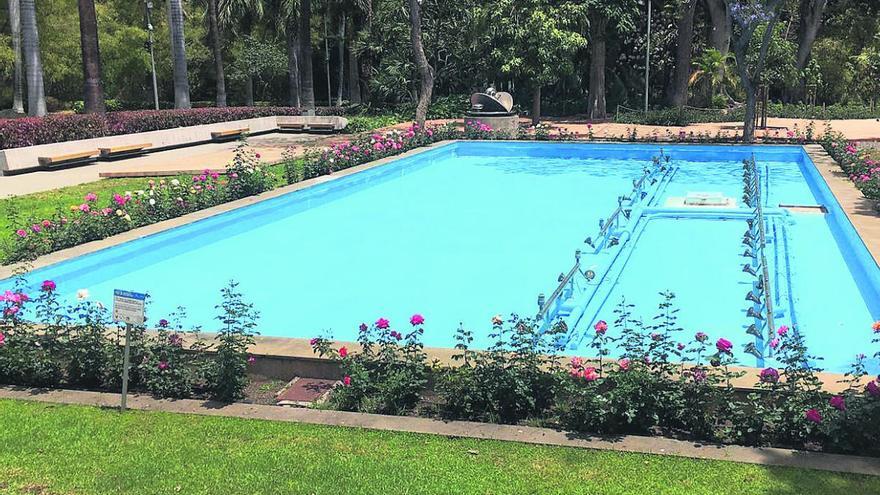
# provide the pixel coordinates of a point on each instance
(469, 43)
(666, 382)
(78, 345)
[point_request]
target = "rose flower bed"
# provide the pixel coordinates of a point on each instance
(520, 379)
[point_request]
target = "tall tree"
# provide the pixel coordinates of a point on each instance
(747, 16)
(17, 72)
(678, 87)
(178, 54)
(307, 76)
(354, 84)
(93, 90)
(719, 29)
(217, 50)
(426, 72)
(340, 48)
(809, 20)
(239, 17)
(534, 42)
(619, 14)
(32, 59)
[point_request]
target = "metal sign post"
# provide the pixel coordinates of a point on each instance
(128, 307)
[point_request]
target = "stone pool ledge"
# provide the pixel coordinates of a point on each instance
(861, 211)
(147, 230)
(286, 357)
(463, 429)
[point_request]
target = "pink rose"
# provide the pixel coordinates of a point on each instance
(782, 330)
(769, 375)
(48, 286)
(416, 319)
(624, 364)
(313, 341)
(2, 339)
(724, 346)
(589, 374)
(382, 324)
(873, 389)
(838, 402)
(813, 415)
(601, 327)
(343, 351)
(363, 327)
(346, 380)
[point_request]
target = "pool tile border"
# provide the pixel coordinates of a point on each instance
(463, 429)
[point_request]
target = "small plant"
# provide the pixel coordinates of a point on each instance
(227, 376)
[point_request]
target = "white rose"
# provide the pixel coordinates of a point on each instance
(175, 182)
(82, 294)
(152, 202)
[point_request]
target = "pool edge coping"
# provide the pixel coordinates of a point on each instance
(766, 456)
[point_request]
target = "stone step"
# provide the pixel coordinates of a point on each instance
(303, 392)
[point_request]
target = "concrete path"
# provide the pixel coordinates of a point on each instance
(464, 429)
(187, 160)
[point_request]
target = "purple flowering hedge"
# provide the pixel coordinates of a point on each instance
(30, 131)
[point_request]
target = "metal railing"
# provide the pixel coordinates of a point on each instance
(761, 294)
(659, 164)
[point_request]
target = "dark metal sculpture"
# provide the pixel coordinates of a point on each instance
(491, 103)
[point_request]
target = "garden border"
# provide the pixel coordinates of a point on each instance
(463, 429)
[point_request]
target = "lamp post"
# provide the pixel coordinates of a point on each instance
(648, 58)
(149, 6)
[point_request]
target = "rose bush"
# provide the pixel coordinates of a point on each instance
(46, 343)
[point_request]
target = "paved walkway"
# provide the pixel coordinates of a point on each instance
(191, 159)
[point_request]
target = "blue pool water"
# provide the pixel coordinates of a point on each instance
(469, 230)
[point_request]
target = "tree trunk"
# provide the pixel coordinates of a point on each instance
(32, 60)
(596, 105)
(93, 89)
(249, 90)
(178, 54)
(293, 76)
(426, 73)
(307, 83)
(217, 49)
(719, 34)
(18, 73)
(354, 89)
(740, 50)
(536, 105)
(678, 90)
(366, 69)
(810, 20)
(340, 50)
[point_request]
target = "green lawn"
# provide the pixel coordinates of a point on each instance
(74, 449)
(46, 204)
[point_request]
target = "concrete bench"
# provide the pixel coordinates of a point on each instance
(229, 134)
(115, 152)
(322, 126)
(67, 159)
(297, 126)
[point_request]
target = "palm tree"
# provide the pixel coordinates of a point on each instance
(426, 72)
(217, 49)
(18, 75)
(93, 91)
(714, 67)
(307, 82)
(178, 54)
(33, 62)
(239, 17)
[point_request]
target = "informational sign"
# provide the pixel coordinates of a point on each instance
(128, 307)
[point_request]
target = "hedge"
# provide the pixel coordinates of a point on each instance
(29, 131)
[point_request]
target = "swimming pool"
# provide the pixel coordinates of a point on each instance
(468, 230)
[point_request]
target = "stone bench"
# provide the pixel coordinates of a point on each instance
(125, 151)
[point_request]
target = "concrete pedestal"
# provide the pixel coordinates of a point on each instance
(508, 124)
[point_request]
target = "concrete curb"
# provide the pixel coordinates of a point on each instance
(464, 429)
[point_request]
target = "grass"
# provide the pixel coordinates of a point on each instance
(84, 450)
(47, 204)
